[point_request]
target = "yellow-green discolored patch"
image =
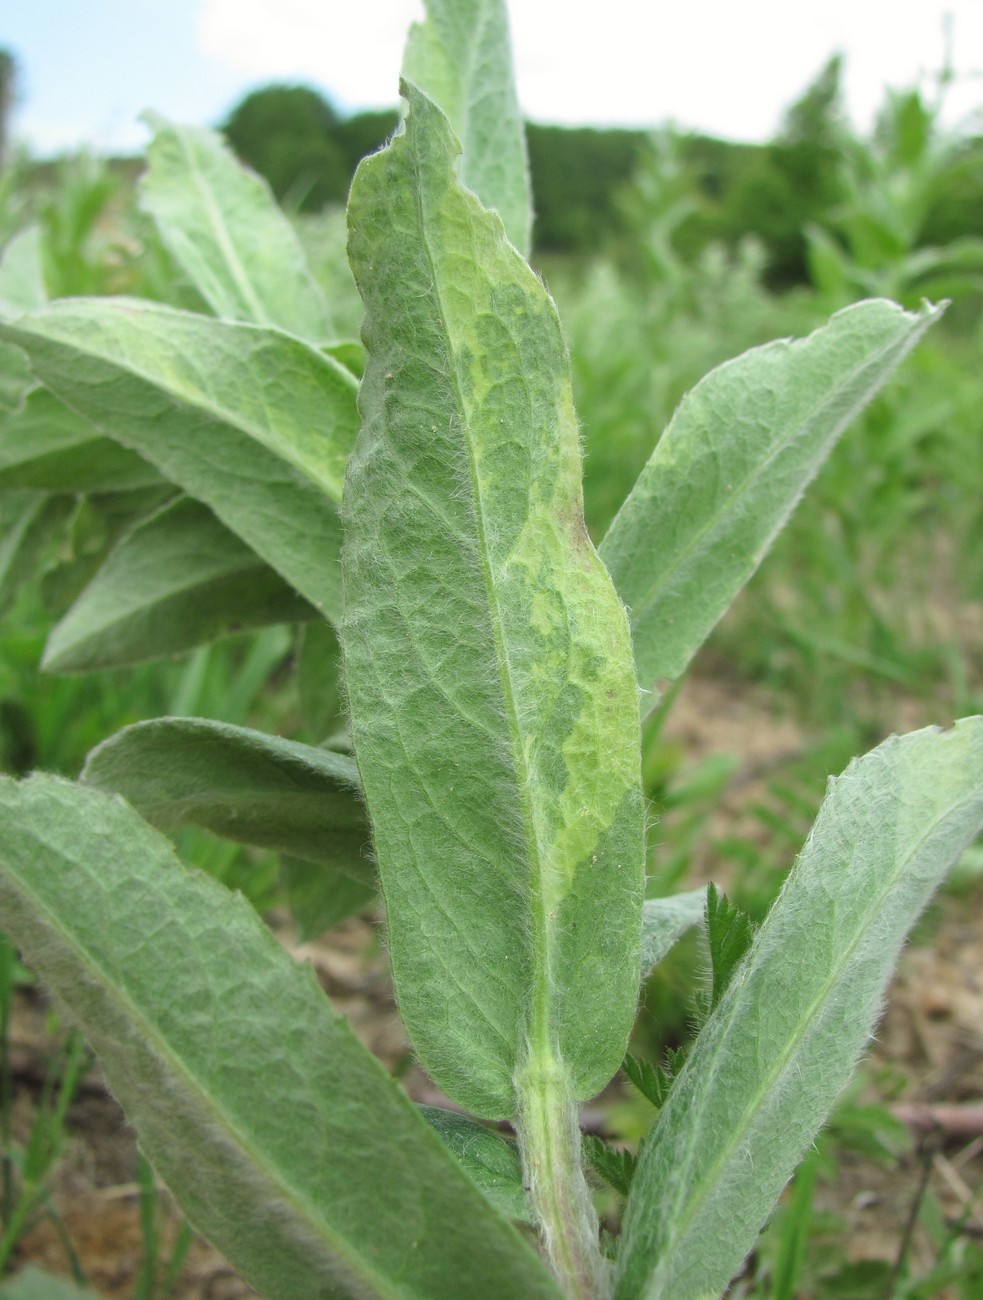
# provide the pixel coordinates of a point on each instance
(487, 656)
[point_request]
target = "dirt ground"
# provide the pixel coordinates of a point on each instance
(926, 1061)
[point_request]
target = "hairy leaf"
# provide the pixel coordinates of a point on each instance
(254, 423)
(272, 1125)
(787, 1032)
(45, 445)
(321, 895)
(665, 920)
(729, 935)
(487, 658)
(489, 1159)
(179, 579)
(461, 58)
(225, 230)
(97, 524)
(652, 1081)
(730, 468)
(241, 784)
(615, 1165)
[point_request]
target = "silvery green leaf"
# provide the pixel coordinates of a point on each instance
(46, 446)
(461, 58)
(487, 658)
(254, 423)
(27, 521)
(490, 1159)
(272, 1125)
(241, 784)
(797, 1013)
(321, 895)
(730, 468)
(226, 231)
(177, 580)
(666, 920)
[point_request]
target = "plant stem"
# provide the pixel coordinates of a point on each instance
(549, 1140)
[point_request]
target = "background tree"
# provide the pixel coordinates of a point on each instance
(8, 78)
(286, 134)
(577, 173)
(777, 189)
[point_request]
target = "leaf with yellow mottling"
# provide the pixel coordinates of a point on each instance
(487, 657)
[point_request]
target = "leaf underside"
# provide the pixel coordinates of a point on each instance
(320, 895)
(226, 231)
(46, 446)
(27, 520)
(665, 920)
(461, 58)
(177, 580)
(489, 1159)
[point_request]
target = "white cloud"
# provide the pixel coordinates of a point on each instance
(353, 50)
(730, 68)
(712, 64)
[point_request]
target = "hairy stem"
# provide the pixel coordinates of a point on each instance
(549, 1139)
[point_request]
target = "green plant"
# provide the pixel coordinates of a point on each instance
(491, 672)
(877, 240)
(25, 1168)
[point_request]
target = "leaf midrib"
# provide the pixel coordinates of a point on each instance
(226, 246)
(540, 946)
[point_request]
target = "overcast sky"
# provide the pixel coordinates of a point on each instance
(728, 67)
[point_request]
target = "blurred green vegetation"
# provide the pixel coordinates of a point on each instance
(809, 177)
